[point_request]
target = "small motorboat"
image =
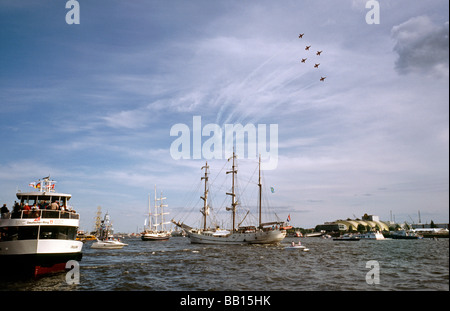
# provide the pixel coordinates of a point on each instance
(105, 240)
(108, 244)
(298, 246)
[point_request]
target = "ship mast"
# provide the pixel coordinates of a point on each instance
(149, 214)
(233, 195)
(260, 189)
(161, 210)
(205, 210)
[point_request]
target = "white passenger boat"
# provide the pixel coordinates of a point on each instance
(39, 235)
(263, 233)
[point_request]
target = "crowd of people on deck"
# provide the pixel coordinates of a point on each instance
(24, 207)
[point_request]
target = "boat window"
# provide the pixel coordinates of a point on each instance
(58, 232)
(18, 233)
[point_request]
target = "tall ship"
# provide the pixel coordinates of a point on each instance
(156, 230)
(38, 236)
(262, 233)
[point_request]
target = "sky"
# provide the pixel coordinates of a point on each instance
(92, 105)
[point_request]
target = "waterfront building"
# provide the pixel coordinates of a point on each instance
(368, 221)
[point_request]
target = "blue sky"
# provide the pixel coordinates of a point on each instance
(92, 104)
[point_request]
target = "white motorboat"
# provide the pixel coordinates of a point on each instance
(108, 244)
(39, 235)
(105, 240)
(298, 246)
(263, 233)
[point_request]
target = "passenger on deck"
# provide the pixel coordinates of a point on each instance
(26, 209)
(55, 206)
(5, 212)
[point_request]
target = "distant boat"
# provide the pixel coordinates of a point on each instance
(405, 235)
(109, 243)
(82, 236)
(105, 240)
(347, 237)
(264, 233)
(156, 230)
(371, 235)
(298, 246)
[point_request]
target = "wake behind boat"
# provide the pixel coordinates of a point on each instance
(264, 233)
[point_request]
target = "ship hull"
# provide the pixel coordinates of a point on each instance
(259, 237)
(155, 238)
(35, 265)
(37, 257)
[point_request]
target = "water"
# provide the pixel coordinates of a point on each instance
(177, 265)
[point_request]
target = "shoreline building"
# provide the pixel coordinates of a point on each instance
(368, 221)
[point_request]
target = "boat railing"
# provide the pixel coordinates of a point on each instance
(55, 214)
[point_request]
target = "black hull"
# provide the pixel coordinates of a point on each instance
(35, 265)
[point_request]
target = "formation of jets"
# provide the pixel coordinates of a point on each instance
(316, 65)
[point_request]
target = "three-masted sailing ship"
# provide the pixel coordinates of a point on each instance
(156, 230)
(263, 233)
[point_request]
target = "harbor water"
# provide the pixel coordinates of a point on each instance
(177, 265)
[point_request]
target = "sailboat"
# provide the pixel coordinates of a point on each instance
(156, 230)
(264, 233)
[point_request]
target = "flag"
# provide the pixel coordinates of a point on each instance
(38, 185)
(289, 218)
(272, 189)
(33, 184)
